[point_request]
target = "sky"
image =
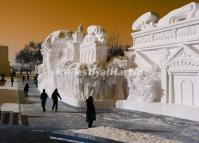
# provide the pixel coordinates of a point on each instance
(22, 21)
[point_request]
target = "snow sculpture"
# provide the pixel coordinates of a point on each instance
(170, 51)
(78, 36)
(146, 21)
(143, 87)
(52, 50)
(95, 34)
(76, 88)
(186, 12)
(94, 47)
(174, 43)
(151, 20)
(71, 63)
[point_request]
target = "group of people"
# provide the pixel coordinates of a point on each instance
(90, 112)
(55, 96)
(23, 78)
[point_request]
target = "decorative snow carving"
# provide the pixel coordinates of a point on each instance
(143, 87)
(186, 12)
(95, 34)
(180, 25)
(183, 54)
(79, 87)
(78, 36)
(94, 48)
(188, 31)
(55, 36)
(146, 21)
(184, 63)
(120, 62)
(52, 51)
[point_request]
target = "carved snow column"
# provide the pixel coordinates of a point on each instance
(73, 47)
(73, 52)
(165, 98)
(164, 53)
(94, 47)
(171, 94)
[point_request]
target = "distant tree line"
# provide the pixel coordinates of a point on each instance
(30, 55)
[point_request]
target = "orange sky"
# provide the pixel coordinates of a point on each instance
(32, 20)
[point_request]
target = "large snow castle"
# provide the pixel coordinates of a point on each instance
(165, 51)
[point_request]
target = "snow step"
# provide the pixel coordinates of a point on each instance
(24, 120)
(13, 118)
(5, 117)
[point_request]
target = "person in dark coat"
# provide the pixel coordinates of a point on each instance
(90, 112)
(26, 89)
(12, 80)
(55, 97)
(43, 98)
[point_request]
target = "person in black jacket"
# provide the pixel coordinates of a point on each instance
(26, 89)
(90, 112)
(43, 98)
(55, 97)
(12, 80)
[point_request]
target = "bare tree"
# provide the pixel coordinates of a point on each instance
(116, 48)
(113, 41)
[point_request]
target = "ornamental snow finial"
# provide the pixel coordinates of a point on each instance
(80, 28)
(78, 36)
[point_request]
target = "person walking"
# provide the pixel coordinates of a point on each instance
(23, 78)
(43, 98)
(26, 89)
(90, 112)
(12, 80)
(55, 97)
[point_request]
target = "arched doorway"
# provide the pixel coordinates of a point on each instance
(187, 97)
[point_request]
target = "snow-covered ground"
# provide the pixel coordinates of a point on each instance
(124, 136)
